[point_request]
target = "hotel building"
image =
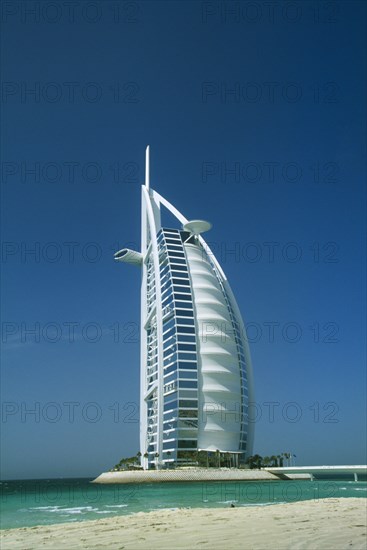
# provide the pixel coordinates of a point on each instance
(196, 374)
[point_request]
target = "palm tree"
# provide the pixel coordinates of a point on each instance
(156, 455)
(249, 461)
(257, 461)
(217, 452)
(287, 457)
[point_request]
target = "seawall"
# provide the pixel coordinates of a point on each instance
(195, 474)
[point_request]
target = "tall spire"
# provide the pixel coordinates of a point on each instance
(147, 170)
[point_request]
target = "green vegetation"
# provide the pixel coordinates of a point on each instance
(128, 463)
(257, 461)
(206, 459)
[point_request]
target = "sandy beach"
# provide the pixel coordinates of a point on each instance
(324, 524)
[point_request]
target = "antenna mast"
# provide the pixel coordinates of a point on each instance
(147, 168)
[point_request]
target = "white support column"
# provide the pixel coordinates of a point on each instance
(153, 222)
(143, 316)
(143, 337)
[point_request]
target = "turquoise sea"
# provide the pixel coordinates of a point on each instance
(48, 501)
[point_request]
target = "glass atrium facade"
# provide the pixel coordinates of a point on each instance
(181, 339)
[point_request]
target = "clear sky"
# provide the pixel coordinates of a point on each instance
(256, 119)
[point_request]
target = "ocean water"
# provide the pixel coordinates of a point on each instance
(48, 501)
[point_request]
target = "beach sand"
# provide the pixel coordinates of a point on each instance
(324, 524)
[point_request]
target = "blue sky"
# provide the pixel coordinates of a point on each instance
(256, 121)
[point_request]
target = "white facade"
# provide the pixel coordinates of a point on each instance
(196, 374)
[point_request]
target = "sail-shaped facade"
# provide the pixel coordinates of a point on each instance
(196, 373)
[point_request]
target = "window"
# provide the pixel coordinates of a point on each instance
(167, 324)
(168, 301)
(188, 413)
(164, 270)
(184, 276)
(169, 337)
(169, 350)
(184, 282)
(184, 313)
(186, 330)
(175, 261)
(170, 368)
(166, 285)
(179, 268)
(187, 356)
(170, 405)
(187, 423)
(188, 393)
(182, 289)
(176, 254)
(188, 384)
(174, 248)
(186, 347)
(168, 291)
(169, 424)
(186, 305)
(171, 240)
(187, 444)
(169, 445)
(170, 377)
(184, 321)
(169, 416)
(187, 374)
(185, 403)
(171, 358)
(187, 365)
(185, 297)
(167, 313)
(187, 338)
